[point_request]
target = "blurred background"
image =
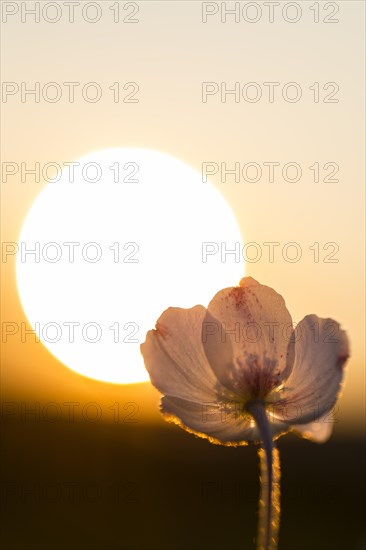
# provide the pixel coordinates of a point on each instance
(106, 472)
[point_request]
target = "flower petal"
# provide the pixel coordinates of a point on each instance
(318, 431)
(175, 359)
(311, 390)
(247, 337)
(220, 422)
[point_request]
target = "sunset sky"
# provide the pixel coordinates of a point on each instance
(170, 53)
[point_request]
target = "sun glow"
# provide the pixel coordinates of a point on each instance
(117, 238)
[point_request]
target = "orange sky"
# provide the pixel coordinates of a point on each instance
(171, 117)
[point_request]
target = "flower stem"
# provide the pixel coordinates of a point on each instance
(269, 502)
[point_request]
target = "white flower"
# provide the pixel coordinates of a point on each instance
(214, 365)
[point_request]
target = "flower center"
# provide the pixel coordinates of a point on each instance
(257, 378)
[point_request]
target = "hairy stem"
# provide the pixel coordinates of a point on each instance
(269, 502)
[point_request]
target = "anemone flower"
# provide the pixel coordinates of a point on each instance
(239, 371)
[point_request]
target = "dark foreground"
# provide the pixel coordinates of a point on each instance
(86, 486)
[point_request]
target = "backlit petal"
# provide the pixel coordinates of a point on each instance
(311, 390)
(175, 359)
(221, 422)
(318, 431)
(246, 335)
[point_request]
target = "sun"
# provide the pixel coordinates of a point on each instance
(112, 240)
